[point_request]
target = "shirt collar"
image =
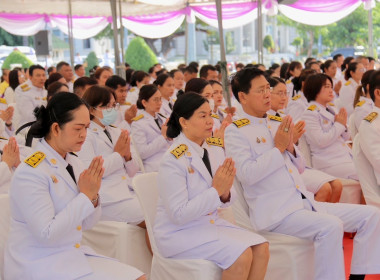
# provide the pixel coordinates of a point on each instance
(53, 153)
(194, 146)
(255, 120)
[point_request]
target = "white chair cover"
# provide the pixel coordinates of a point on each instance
(5, 220)
(291, 258)
(145, 186)
(351, 188)
(121, 241)
(371, 189)
(139, 160)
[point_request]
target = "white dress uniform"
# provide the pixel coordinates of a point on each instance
(187, 225)
(279, 202)
(28, 97)
(369, 133)
(165, 108)
(347, 95)
(133, 95)
(120, 121)
(289, 87)
(119, 203)
(48, 216)
(296, 106)
(312, 178)
(362, 109)
(327, 141)
(150, 143)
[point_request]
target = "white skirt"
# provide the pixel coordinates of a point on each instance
(314, 179)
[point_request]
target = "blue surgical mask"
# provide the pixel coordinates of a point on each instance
(109, 116)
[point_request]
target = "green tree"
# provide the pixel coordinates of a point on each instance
(17, 57)
(139, 55)
(297, 42)
(9, 39)
(91, 61)
(268, 43)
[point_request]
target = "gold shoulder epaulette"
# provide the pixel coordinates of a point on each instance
(132, 89)
(241, 122)
(179, 151)
(35, 159)
(296, 97)
(347, 83)
(23, 86)
(25, 89)
(127, 103)
(360, 103)
(275, 118)
(331, 104)
(312, 107)
(371, 116)
(215, 141)
(139, 117)
(3, 138)
(215, 116)
(3, 100)
(288, 82)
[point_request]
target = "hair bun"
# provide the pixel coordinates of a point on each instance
(40, 112)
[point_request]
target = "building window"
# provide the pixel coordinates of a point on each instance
(87, 44)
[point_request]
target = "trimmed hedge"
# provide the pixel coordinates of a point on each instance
(139, 55)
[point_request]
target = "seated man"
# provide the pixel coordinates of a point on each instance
(269, 166)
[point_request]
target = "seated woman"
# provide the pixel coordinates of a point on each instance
(193, 181)
(52, 201)
(294, 71)
(149, 128)
(165, 85)
(326, 131)
(363, 104)
(102, 74)
(119, 203)
(325, 188)
(138, 80)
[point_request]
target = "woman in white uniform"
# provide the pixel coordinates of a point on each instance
(52, 201)
(119, 203)
(326, 131)
(363, 104)
(294, 71)
(193, 181)
(149, 128)
(353, 75)
(330, 68)
(324, 187)
(165, 85)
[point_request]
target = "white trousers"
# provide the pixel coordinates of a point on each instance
(326, 230)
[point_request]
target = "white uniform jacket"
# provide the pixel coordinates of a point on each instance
(347, 95)
(369, 135)
(271, 180)
(150, 143)
(165, 109)
(296, 106)
(48, 216)
(120, 121)
(325, 137)
(362, 109)
(117, 172)
(187, 207)
(28, 97)
(133, 95)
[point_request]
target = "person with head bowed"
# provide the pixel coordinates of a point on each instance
(149, 128)
(165, 84)
(53, 199)
(269, 165)
(194, 180)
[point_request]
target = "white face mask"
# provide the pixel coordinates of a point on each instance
(212, 103)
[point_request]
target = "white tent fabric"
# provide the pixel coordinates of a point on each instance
(23, 28)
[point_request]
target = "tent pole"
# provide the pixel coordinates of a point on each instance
(223, 62)
(115, 37)
(370, 33)
(121, 38)
(70, 33)
(260, 32)
(187, 42)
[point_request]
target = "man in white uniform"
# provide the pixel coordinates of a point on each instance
(269, 166)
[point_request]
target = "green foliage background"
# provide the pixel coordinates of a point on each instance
(139, 55)
(91, 60)
(17, 57)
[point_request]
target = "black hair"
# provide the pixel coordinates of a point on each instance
(308, 60)
(196, 85)
(128, 75)
(274, 81)
(13, 78)
(53, 89)
(374, 83)
(172, 72)
(213, 82)
(61, 64)
(351, 67)
(362, 88)
(115, 81)
(50, 69)
(138, 76)
(59, 110)
(34, 67)
(309, 64)
(145, 93)
(194, 64)
(274, 66)
(191, 69)
(76, 67)
(161, 79)
(335, 57)
(184, 107)
(204, 70)
(314, 84)
(98, 96)
(301, 79)
(292, 66)
(370, 58)
(346, 61)
(284, 69)
(326, 65)
(242, 80)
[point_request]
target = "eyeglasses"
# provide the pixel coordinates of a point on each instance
(156, 99)
(115, 106)
(281, 93)
(361, 70)
(264, 90)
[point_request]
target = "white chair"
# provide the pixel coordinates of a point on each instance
(371, 189)
(138, 158)
(291, 258)
(121, 241)
(351, 192)
(145, 187)
(5, 221)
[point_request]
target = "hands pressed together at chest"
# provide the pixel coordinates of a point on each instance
(123, 145)
(224, 178)
(90, 179)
